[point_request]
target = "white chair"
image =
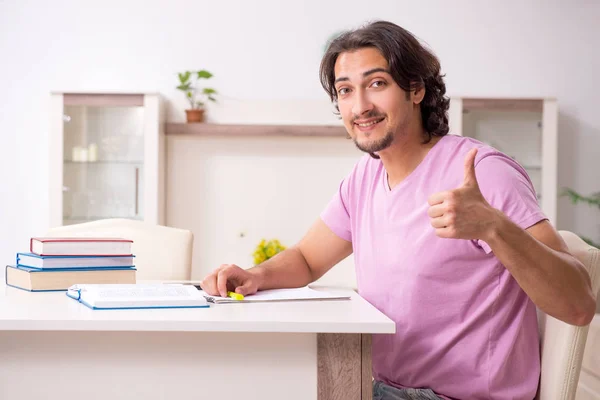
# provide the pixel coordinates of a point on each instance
(161, 252)
(562, 345)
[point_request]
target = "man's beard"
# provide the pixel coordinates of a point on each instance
(376, 146)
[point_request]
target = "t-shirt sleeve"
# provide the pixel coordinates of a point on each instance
(336, 214)
(507, 187)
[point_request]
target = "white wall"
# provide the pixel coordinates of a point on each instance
(243, 190)
(270, 51)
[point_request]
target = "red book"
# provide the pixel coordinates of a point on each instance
(80, 246)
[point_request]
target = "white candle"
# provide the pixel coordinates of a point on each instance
(92, 152)
(76, 153)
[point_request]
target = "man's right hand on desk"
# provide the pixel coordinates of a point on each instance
(318, 251)
(230, 277)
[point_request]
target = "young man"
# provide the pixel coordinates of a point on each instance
(447, 235)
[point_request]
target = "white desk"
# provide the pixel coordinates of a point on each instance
(52, 347)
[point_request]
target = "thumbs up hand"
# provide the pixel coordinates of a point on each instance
(462, 213)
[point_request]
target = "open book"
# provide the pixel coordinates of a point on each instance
(271, 295)
(124, 296)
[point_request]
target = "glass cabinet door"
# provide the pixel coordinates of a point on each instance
(103, 165)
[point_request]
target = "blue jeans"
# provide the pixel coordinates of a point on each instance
(381, 391)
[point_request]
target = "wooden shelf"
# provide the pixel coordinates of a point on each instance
(103, 99)
(223, 130)
(530, 105)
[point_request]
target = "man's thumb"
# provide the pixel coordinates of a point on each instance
(244, 290)
(470, 177)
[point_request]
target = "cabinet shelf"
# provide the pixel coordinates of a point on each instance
(502, 104)
(94, 218)
(105, 162)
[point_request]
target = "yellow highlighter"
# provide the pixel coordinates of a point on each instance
(235, 296)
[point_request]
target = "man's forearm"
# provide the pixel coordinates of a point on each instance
(555, 281)
(287, 269)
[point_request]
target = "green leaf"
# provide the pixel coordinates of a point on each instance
(204, 74)
(575, 197)
(209, 91)
(212, 99)
(200, 104)
(189, 95)
(184, 77)
(185, 87)
(590, 242)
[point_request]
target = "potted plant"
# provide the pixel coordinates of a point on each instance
(198, 97)
(592, 200)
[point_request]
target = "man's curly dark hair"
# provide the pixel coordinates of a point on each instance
(411, 65)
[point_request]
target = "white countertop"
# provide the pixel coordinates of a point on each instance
(54, 311)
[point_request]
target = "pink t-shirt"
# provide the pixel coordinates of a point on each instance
(464, 327)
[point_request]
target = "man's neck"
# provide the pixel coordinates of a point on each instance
(404, 156)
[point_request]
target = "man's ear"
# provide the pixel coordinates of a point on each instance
(417, 94)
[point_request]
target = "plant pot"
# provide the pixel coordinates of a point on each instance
(195, 115)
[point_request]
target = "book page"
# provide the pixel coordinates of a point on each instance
(296, 294)
(116, 295)
(147, 291)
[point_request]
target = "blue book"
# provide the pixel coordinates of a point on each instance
(45, 280)
(62, 262)
(113, 297)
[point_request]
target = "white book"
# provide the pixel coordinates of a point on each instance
(273, 295)
(80, 246)
(124, 296)
(48, 262)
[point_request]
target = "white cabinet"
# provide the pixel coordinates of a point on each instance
(525, 129)
(107, 157)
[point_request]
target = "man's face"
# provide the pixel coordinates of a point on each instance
(375, 110)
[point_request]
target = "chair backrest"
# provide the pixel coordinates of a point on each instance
(562, 345)
(161, 252)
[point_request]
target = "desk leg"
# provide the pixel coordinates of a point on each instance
(344, 366)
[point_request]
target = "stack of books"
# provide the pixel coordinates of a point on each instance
(54, 264)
